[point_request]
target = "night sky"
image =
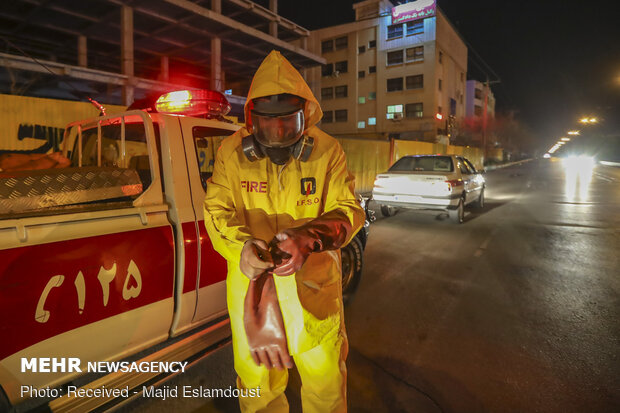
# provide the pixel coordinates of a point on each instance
(557, 60)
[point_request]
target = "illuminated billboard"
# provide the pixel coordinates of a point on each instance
(415, 10)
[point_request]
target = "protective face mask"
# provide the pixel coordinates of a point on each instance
(278, 131)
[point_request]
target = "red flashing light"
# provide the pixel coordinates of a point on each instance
(439, 116)
(193, 103)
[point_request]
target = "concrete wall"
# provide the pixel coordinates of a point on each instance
(453, 69)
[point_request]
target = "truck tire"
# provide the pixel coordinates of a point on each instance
(457, 215)
(352, 260)
(387, 211)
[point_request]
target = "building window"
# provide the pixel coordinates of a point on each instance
(327, 46)
(361, 124)
(415, 82)
(414, 110)
(415, 54)
(327, 69)
(342, 67)
(372, 95)
(415, 27)
(440, 57)
(394, 112)
(372, 69)
(361, 99)
(395, 57)
(395, 31)
(327, 93)
(395, 84)
(462, 77)
(372, 44)
(341, 115)
(361, 49)
(439, 84)
(478, 93)
(461, 99)
(372, 121)
(361, 74)
(452, 107)
(328, 116)
(342, 43)
(341, 91)
(477, 110)
(439, 109)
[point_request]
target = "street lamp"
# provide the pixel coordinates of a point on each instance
(588, 120)
(573, 132)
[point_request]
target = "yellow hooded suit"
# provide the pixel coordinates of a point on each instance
(257, 200)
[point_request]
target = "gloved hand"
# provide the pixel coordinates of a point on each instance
(291, 247)
(263, 323)
(255, 258)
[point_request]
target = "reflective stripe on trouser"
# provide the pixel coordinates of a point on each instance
(322, 371)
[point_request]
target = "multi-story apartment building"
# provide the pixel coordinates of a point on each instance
(396, 72)
(474, 102)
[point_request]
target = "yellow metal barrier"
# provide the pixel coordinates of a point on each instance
(37, 124)
(367, 158)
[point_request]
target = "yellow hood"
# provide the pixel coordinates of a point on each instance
(277, 75)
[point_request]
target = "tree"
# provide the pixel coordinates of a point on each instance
(503, 130)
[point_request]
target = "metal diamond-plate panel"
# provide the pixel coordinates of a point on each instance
(23, 191)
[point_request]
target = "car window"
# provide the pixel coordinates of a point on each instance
(463, 167)
(470, 166)
(423, 164)
(206, 142)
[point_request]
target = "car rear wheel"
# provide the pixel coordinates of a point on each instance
(480, 201)
(457, 215)
(387, 211)
(352, 259)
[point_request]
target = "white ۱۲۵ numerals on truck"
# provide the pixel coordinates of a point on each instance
(106, 258)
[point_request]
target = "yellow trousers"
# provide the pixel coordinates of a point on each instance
(322, 370)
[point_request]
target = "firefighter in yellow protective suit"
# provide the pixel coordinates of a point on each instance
(282, 181)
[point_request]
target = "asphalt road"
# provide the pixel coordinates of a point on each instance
(516, 310)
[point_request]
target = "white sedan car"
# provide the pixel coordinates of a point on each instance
(434, 182)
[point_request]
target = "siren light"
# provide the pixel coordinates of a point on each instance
(193, 103)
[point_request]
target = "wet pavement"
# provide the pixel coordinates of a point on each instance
(515, 310)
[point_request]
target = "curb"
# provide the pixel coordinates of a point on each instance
(607, 163)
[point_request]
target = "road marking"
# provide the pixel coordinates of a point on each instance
(604, 177)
